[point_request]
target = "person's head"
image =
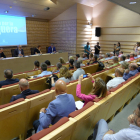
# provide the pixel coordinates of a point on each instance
(80, 59)
(43, 67)
(122, 58)
(95, 58)
(97, 43)
(127, 56)
(115, 59)
(107, 55)
(60, 87)
(19, 47)
(119, 72)
(23, 84)
(102, 56)
(77, 56)
(99, 87)
(77, 65)
(39, 47)
(61, 60)
(136, 114)
(71, 61)
(90, 55)
(48, 63)
(1, 50)
(119, 44)
(36, 64)
(58, 65)
(111, 54)
(125, 65)
(64, 72)
(87, 43)
(132, 66)
(120, 52)
(8, 74)
(85, 55)
(52, 45)
(71, 57)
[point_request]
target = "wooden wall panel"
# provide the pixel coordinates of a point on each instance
(63, 35)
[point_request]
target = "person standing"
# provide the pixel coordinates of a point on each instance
(136, 46)
(97, 49)
(118, 48)
(51, 49)
(87, 49)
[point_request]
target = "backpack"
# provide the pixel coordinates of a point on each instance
(49, 80)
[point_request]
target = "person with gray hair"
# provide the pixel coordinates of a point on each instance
(58, 66)
(25, 91)
(80, 59)
(127, 58)
(115, 61)
(107, 56)
(44, 70)
(2, 55)
(78, 71)
(125, 65)
(131, 71)
(122, 59)
(8, 74)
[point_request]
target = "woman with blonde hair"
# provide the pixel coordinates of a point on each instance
(99, 89)
(125, 65)
(61, 60)
(65, 75)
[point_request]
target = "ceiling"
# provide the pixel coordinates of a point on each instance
(28, 8)
(125, 4)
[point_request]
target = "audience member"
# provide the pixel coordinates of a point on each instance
(44, 70)
(107, 56)
(80, 59)
(120, 53)
(36, 65)
(127, 58)
(99, 89)
(131, 56)
(117, 80)
(51, 49)
(135, 55)
(62, 61)
(71, 57)
(62, 106)
(48, 63)
(95, 59)
(65, 75)
(37, 50)
(2, 55)
(138, 54)
(102, 132)
(25, 91)
(131, 71)
(71, 66)
(78, 71)
(125, 65)
(122, 59)
(77, 56)
(85, 56)
(58, 66)
(90, 59)
(19, 52)
(111, 55)
(136, 47)
(115, 61)
(102, 57)
(8, 74)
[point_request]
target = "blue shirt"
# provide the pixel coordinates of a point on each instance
(44, 73)
(131, 133)
(130, 74)
(87, 48)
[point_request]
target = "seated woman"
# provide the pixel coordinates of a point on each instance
(65, 75)
(61, 60)
(71, 66)
(36, 65)
(80, 59)
(99, 89)
(125, 65)
(37, 50)
(90, 59)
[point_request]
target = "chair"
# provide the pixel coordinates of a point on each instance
(32, 50)
(12, 52)
(20, 76)
(47, 49)
(13, 120)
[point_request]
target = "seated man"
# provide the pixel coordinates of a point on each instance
(102, 132)
(78, 71)
(2, 55)
(44, 70)
(95, 59)
(61, 107)
(58, 66)
(131, 72)
(117, 80)
(19, 52)
(85, 56)
(8, 74)
(111, 55)
(115, 61)
(107, 56)
(25, 91)
(51, 49)
(122, 59)
(127, 58)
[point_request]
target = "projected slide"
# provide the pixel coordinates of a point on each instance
(12, 31)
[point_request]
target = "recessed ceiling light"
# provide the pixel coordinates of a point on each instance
(6, 12)
(132, 2)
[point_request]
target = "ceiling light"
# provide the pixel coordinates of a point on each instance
(132, 2)
(6, 12)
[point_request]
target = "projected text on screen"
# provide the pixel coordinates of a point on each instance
(12, 31)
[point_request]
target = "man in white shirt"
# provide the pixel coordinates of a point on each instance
(78, 71)
(117, 80)
(101, 131)
(127, 58)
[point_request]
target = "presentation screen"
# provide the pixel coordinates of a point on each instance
(12, 31)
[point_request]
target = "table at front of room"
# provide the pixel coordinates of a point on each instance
(27, 63)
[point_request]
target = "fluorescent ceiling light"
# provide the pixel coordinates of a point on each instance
(132, 2)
